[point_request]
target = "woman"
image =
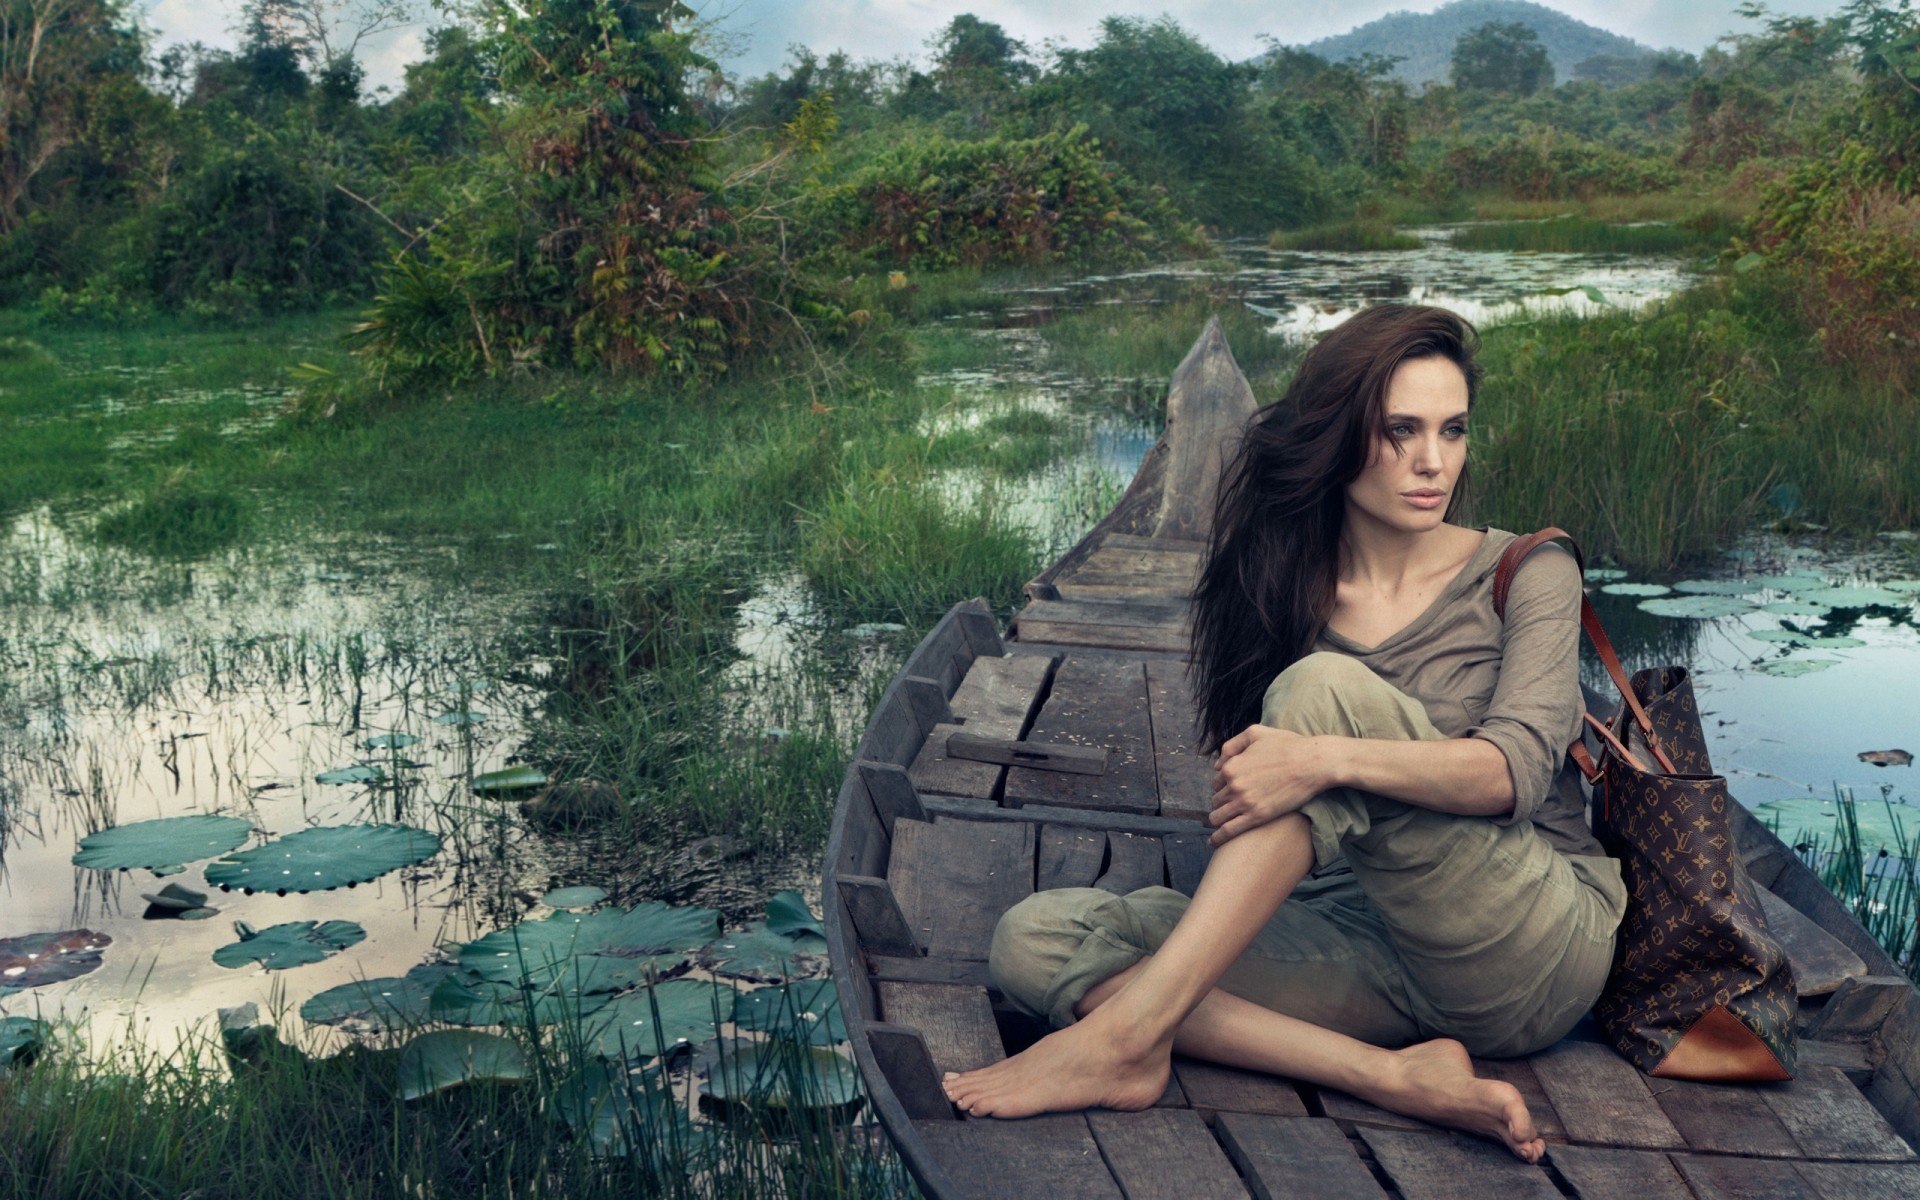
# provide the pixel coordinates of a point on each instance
(1405, 784)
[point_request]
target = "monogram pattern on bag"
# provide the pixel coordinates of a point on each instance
(1693, 936)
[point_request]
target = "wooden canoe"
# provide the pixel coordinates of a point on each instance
(1084, 703)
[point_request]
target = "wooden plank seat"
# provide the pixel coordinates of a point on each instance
(997, 698)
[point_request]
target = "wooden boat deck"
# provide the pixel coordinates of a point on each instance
(1085, 702)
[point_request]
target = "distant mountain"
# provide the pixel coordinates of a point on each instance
(1424, 41)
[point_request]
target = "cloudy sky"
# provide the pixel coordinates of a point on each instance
(753, 35)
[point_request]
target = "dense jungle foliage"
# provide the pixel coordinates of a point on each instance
(574, 182)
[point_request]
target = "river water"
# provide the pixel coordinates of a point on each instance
(131, 690)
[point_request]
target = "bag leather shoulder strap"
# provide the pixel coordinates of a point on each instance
(1510, 562)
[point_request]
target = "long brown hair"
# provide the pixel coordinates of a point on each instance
(1273, 558)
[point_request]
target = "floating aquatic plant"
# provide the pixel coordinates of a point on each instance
(293, 944)
(1716, 587)
(788, 913)
(444, 1059)
(316, 860)
(512, 779)
(1797, 608)
(574, 897)
(626, 1114)
(37, 959)
(759, 953)
(464, 998)
(1635, 589)
(167, 842)
(354, 774)
(1793, 668)
(1698, 608)
(648, 1022)
(390, 1002)
(390, 741)
(1856, 597)
(780, 1075)
(599, 951)
(807, 1012)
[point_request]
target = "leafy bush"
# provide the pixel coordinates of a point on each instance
(1038, 200)
(1542, 165)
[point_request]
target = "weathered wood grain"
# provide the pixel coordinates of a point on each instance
(880, 923)
(1068, 857)
(893, 735)
(1185, 775)
(1027, 753)
(1714, 1178)
(1134, 861)
(955, 878)
(955, 1021)
(1213, 1088)
(1849, 1058)
(859, 844)
(980, 630)
(927, 699)
(1829, 1118)
(1428, 1167)
(1100, 703)
(1723, 1119)
(935, 772)
(1601, 1098)
(1135, 625)
(909, 1070)
(919, 969)
(892, 793)
(1164, 1154)
(1857, 1181)
(1339, 1106)
(1295, 1158)
(1053, 814)
(1597, 1174)
(1820, 961)
(996, 699)
(1208, 403)
(1188, 854)
(1040, 1158)
(944, 654)
(1857, 1008)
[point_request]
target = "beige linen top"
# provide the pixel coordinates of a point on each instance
(1515, 683)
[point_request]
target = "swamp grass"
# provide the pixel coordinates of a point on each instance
(1880, 889)
(1344, 235)
(1586, 235)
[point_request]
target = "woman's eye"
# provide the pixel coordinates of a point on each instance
(1458, 431)
(1400, 431)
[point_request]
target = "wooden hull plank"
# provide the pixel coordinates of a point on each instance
(956, 1022)
(889, 968)
(1184, 774)
(1094, 702)
(1134, 861)
(1829, 1118)
(1339, 1106)
(1715, 1178)
(1597, 1174)
(902, 1056)
(1854, 1181)
(1602, 1099)
(1069, 857)
(954, 878)
(1723, 1119)
(1164, 1153)
(1295, 1158)
(1040, 1158)
(1126, 626)
(1820, 960)
(996, 699)
(1212, 1088)
(1187, 858)
(1425, 1167)
(1857, 1009)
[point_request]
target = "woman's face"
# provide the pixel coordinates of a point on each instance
(1409, 480)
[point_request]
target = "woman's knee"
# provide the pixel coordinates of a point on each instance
(1329, 693)
(1035, 938)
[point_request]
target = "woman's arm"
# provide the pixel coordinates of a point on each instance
(1501, 770)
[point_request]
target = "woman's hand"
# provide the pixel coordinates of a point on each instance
(1265, 773)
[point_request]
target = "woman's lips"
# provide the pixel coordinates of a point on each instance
(1425, 499)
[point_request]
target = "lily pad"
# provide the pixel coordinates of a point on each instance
(294, 944)
(449, 1058)
(1604, 574)
(466, 999)
(783, 1075)
(1887, 758)
(1698, 608)
(465, 717)
(366, 1005)
(648, 1022)
(1792, 636)
(625, 1114)
(354, 774)
(760, 954)
(1797, 608)
(198, 914)
(1794, 581)
(1882, 826)
(316, 860)
(162, 843)
(1857, 597)
(1636, 589)
(807, 1012)
(574, 897)
(1793, 668)
(651, 936)
(512, 779)
(175, 897)
(1716, 587)
(1834, 641)
(37, 959)
(787, 912)
(22, 1039)
(390, 741)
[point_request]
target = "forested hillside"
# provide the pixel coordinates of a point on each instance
(1423, 42)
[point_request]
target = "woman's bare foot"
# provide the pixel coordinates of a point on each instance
(1099, 1062)
(1434, 1081)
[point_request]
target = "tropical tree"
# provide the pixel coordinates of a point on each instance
(58, 58)
(1502, 56)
